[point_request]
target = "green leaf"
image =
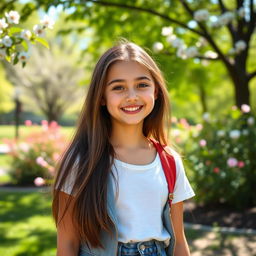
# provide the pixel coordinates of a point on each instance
(14, 30)
(25, 45)
(16, 60)
(8, 58)
(42, 41)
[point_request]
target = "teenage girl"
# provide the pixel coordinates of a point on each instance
(110, 196)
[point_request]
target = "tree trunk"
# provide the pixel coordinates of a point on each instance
(202, 95)
(241, 86)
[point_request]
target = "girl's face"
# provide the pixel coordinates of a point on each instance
(130, 92)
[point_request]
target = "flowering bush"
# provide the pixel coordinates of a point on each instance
(15, 41)
(223, 159)
(35, 157)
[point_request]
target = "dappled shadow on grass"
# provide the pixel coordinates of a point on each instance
(216, 243)
(38, 241)
(19, 206)
(26, 224)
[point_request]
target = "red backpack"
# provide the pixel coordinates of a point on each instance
(169, 167)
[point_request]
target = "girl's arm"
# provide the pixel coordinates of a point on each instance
(67, 236)
(181, 246)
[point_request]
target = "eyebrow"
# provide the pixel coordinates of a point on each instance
(136, 79)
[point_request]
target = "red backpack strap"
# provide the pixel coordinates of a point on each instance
(169, 167)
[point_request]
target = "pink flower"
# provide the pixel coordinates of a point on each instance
(39, 181)
(44, 123)
(28, 122)
(202, 143)
(41, 161)
(56, 156)
(240, 164)
(232, 162)
(216, 170)
(245, 108)
(199, 127)
(54, 124)
(184, 123)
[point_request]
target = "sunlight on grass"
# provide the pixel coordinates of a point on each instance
(28, 225)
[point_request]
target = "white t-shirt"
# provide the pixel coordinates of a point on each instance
(143, 192)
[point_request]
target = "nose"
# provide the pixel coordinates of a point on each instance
(132, 96)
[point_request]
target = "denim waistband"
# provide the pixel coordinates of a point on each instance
(146, 243)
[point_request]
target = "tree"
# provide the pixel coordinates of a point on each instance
(49, 79)
(211, 20)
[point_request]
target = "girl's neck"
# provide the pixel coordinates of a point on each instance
(128, 137)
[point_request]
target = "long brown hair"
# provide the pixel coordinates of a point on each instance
(90, 152)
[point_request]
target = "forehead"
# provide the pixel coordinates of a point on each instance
(127, 70)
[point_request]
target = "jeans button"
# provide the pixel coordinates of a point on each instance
(142, 247)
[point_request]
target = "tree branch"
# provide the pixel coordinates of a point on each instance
(222, 6)
(137, 8)
(251, 75)
(208, 37)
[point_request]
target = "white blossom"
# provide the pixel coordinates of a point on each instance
(191, 52)
(23, 56)
(47, 22)
(234, 134)
(201, 15)
(13, 17)
(158, 46)
(26, 34)
(211, 54)
(240, 46)
(232, 51)
(167, 31)
(245, 132)
(7, 41)
(171, 38)
(245, 108)
(2, 54)
(216, 24)
(250, 121)
(177, 43)
(201, 42)
(220, 133)
(3, 24)
(206, 116)
(181, 52)
(39, 30)
(241, 12)
(226, 18)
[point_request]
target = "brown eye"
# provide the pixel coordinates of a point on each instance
(118, 88)
(142, 85)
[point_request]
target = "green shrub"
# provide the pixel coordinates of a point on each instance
(36, 155)
(223, 159)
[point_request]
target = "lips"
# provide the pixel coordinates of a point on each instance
(132, 109)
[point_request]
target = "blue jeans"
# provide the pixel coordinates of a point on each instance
(148, 248)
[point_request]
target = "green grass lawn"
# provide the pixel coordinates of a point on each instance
(8, 131)
(27, 229)
(26, 226)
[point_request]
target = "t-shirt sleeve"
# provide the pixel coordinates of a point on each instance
(70, 179)
(182, 189)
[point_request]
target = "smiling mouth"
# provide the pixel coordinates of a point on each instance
(132, 110)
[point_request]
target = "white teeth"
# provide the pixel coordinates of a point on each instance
(131, 109)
